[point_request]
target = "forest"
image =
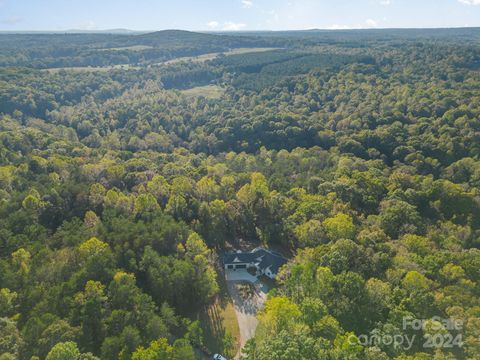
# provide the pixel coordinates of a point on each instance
(130, 162)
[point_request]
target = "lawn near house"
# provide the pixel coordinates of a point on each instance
(231, 320)
(219, 319)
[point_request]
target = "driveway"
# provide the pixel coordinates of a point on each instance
(246, 309)
(240, 275)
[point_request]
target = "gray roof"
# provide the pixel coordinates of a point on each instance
(261, 257)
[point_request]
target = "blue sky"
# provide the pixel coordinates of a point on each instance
(235, 14)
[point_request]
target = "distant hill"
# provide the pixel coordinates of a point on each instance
(72, 49)
(165, 39)
(181, 38)
(108, 31)
(76, 48)
(347, 35)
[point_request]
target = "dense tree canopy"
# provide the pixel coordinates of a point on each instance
(356, 153)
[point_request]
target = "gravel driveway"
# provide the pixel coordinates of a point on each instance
(246, 309)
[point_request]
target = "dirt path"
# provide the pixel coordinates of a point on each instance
(246, 309)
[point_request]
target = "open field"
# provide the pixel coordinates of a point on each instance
(87, 69)
(248, 51)
(208, 91)
(128, 48)
(194, 59)
(212, 56)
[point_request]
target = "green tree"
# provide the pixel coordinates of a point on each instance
(339, 227)
(11, 341)
(182, 350)
(91, 311)
(68, 351)
(7, 302)
(310, 233)
(158, 350)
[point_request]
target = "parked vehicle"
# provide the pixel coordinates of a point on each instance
(219, 357)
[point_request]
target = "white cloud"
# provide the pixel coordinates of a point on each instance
(231, 26)
(371, 23)
(247, 4)
(225, 26)
(386, 2)
(470, 2)
(338, 27)
(213, 24)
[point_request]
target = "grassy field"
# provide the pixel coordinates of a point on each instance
(194, 59)
(218, 320)
(94, 69)
(212, 56)
(247, 51)
(129, 48)
(209, 92)
(200, 58)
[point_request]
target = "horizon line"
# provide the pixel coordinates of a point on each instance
(125, 30)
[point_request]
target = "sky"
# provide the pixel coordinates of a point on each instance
(235, 15)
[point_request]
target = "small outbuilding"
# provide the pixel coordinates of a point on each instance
(262, 261)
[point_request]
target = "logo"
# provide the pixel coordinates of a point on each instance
(434, 333)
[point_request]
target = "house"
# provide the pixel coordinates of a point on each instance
(262, 261)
